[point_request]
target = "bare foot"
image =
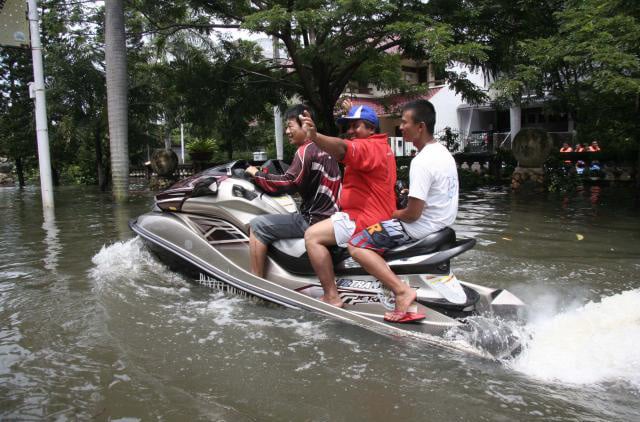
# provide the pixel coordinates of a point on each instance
(334, 300)
(403, 302)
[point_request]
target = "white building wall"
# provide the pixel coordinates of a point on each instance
(446, 103)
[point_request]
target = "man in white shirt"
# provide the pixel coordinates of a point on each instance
(432, 206)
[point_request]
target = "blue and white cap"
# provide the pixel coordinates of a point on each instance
(361, 112)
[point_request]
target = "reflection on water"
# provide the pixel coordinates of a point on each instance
(93, 326)
(52, 246)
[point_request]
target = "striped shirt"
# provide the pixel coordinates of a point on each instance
(315, 175)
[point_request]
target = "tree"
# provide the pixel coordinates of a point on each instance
(229, 87)
(17, 131)
(329, 41)
(497, 25)
(589, 67)
(182, 72)
(76, 90)
(116, 69)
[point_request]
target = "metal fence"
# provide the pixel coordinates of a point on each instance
(184, 170)
(462, 141)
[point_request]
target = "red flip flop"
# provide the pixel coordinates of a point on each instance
(405, 317)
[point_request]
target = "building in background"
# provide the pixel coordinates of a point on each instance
(476, 127)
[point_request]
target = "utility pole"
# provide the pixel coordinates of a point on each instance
(277, 116)
(36, 90)
(182, 142)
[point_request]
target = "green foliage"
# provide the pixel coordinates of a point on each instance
(560, 177)
(403, 173)
(470, 180)
(221, 90)
(587, 65)
(582, 54)
(76, 174)
(202, 145)
(17, 124)
(450, 139)
(333, 42)
(506, 157)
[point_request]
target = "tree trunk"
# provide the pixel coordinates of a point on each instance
(637, 136)
(55, 176)
(20, 172)
(116, 63)
(637, 175)
(327, 124)
(322, 105)
(102, 180)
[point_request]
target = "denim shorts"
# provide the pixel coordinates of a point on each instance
(271, 227)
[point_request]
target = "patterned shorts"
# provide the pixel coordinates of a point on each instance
(382, 236)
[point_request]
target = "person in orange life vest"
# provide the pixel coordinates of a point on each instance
(566, 148)
(367, 194)
(594, 147)
(580, 148)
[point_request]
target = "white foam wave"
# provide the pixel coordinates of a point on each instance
(129, 257)
(226, 310)
(130, 260)
(595, 343)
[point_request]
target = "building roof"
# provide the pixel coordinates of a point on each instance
(391, 105)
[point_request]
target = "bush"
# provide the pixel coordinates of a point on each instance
(558, 176)
(202, 145)
(470, 180)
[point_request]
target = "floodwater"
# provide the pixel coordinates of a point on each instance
(92, 326)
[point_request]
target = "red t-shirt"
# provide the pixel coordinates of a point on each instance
(368, 194)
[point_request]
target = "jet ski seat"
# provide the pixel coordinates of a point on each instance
(291, 254)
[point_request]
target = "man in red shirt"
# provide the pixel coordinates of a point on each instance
(367, 194)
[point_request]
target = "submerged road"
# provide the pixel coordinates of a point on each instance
(93, 326)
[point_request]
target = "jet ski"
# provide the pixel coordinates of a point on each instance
(200, 227)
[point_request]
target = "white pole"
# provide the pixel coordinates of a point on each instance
(515, 117)
(182, 142)
(42, 133)
(277, 117)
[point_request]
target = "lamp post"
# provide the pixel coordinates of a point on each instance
(36, 90)
(277, 117)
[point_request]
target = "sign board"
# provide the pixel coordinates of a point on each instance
(14, 26)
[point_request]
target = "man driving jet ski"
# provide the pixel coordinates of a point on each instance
(313, 173)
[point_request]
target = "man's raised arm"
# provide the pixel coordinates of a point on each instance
(336, 147)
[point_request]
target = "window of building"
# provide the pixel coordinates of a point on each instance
(423, 75)
(440, 73)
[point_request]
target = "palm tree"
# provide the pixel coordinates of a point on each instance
(116, 63)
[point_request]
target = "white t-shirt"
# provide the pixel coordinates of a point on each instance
(433, 178)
